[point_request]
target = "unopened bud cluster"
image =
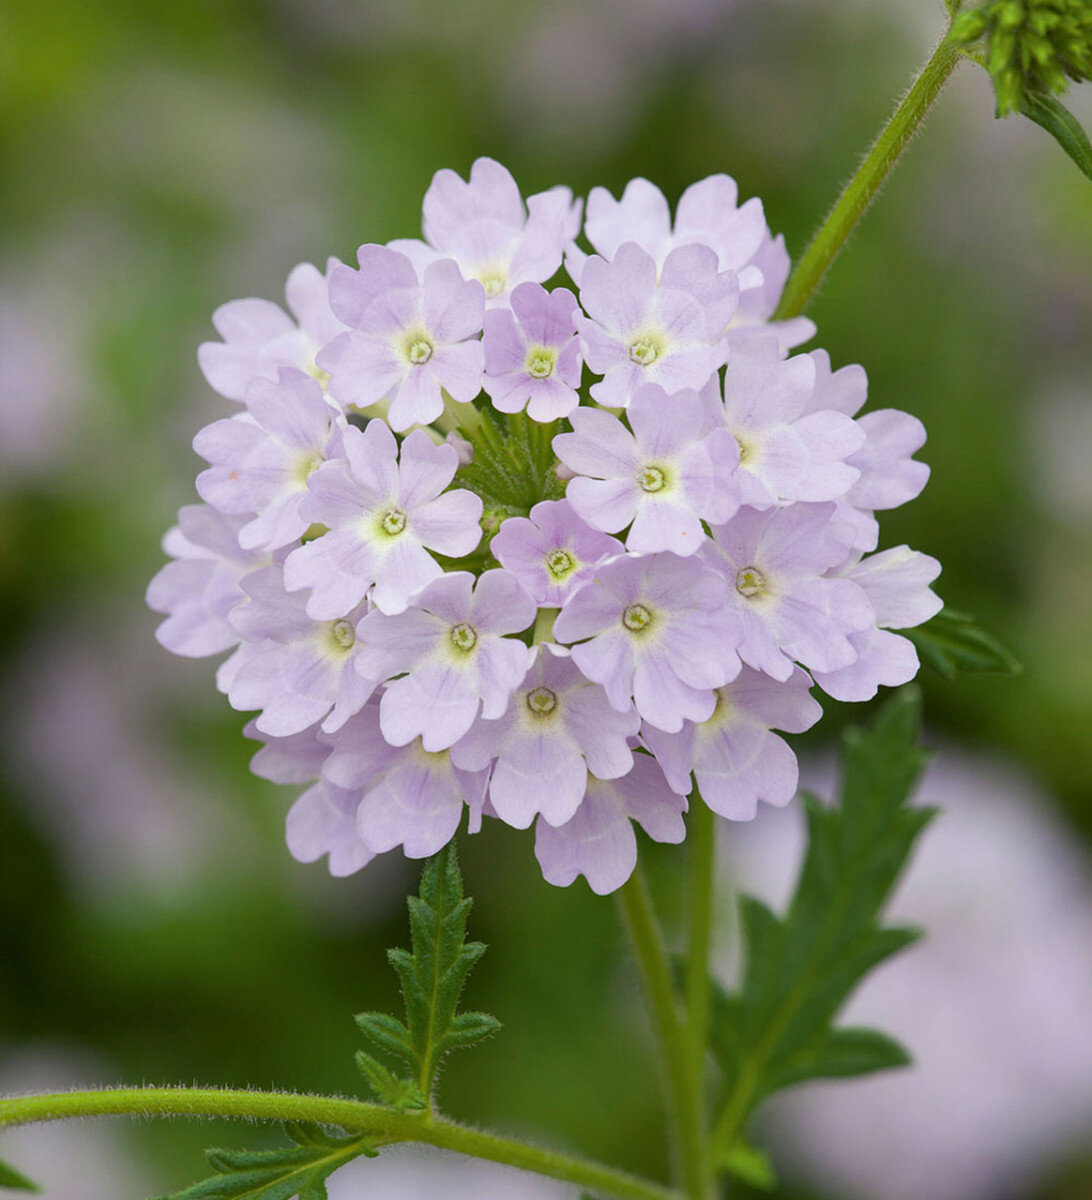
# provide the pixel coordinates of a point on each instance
(546, 555)
(1028, 46)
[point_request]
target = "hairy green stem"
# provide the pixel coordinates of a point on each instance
(684, 1098)
(384, 1126)
(702, 838)
(859, 192)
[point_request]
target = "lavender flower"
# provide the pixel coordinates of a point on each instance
(735, 759)
(788, 449)
(409, 339)
(656, 636)
(775, 565)
(483, 225)
(384, 510)
(558, 727)
(451, 647)
(598, 842)
(708, 215)
(553, 552)
(261, 460)
(200, 587)
(532, 353)
(292, 667)
(649, 326)
(259, 337)
(662, 480)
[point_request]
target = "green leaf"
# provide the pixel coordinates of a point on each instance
(1062, 126)
(750, 1164)
(951, 642)
(297, 1170)
(801, 968)
(11, 1178)
(843, 1052)
(388, 1087)
(432, 975)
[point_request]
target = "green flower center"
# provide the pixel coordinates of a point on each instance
(393, 522)
(343, 634)
(541, 701)
(646, 349)
(464, 637)
(652, 479)
(637, 618)
(493, 280)
(541, 361)
(560, 563)
(306, 465)
(750, 582)
(418, 349)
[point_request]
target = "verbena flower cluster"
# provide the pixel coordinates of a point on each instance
(546, 554)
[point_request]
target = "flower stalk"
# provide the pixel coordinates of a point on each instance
(867, 181)
(683, 1083)
(384, 1126)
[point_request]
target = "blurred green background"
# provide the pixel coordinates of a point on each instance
(157, 160)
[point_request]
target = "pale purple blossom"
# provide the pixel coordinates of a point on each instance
(553, 552)
(661, 481)
(532, 353)
(558, 728)
(598, 841)
(260, 337)
(896, 583)
(407, 796)
(645, 325)
(735, 759)
(295, 758)
(708, 214)
(296, 669)
(483, 225)
(384, 512)
(201, 586)
(453, 654)
(323, 822)
(660, 636)
(410, 339)
(788, 449)
(774, 564)
(261, 459)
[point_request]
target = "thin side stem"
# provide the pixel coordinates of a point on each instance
(383, 1126)
(859, 192)
(702, 839)
(684, 1100)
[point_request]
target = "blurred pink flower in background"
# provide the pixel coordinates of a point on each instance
(83, 742)
(993, 1003)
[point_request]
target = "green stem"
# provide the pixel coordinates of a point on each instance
(859, 192)
(382, 1125)
(702, 838)
(684, 1099)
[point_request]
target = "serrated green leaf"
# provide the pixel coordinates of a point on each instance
(951, 642)
(800, 969)
(11, 1178)
(297, 1170)
(841, 1053)
(1053, 116)
(750, 1164)
(386, 1032)
(389, 1088)
(432, 974)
